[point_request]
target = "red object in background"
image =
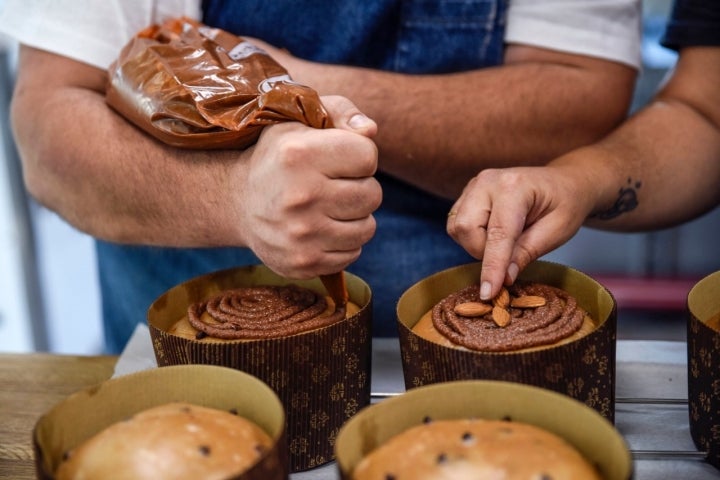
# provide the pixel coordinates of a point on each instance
(648, 293)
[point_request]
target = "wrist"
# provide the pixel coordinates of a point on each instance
(594, 175)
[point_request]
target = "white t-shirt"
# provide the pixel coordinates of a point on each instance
(609, 29)
(90, 31)
(94, 31)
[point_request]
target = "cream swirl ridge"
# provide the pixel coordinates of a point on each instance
(559, 318)
(258, 312)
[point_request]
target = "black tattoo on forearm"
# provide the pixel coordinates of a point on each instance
(626, 202)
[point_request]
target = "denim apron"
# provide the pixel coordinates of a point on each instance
(411, 36)
(692, 23)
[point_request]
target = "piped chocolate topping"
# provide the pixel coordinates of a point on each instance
(262, 312)
(559, 318)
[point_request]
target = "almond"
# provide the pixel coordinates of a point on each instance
(528, 301)
(503, 299)
(472, 309)
(500, 316)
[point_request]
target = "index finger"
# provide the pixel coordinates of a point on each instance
(505, 226)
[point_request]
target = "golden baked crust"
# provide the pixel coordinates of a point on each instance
(472, 449)
(175, 441)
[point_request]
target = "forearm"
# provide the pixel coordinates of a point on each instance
(438, 131)
(116, 183)
(666, 159)
(665, 170)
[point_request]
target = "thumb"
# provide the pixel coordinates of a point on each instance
(346, 116)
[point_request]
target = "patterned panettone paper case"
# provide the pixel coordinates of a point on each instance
(703, 344)
(582, 427)
(87, 412)
(583, 369)
(321, 376)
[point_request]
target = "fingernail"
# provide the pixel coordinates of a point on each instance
(358, 121)
(513, 271)
(485, 289)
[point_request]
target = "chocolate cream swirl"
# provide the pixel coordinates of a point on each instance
(261, 312)
(559, 318)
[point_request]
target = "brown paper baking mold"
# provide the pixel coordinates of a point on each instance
(583, 369)
(703, 344)
(321, 376)
(589, 432)
(89, 411)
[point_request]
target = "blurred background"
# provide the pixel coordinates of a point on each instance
(49, 296)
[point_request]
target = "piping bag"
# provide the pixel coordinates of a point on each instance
(197, 87)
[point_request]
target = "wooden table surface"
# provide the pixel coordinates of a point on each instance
(31, 384)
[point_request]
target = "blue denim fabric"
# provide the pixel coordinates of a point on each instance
(414, 36)
(411, 36)
(693, 23)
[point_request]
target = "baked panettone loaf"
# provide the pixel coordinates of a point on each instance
(175, 441)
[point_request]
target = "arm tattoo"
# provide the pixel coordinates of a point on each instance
(626, 202)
